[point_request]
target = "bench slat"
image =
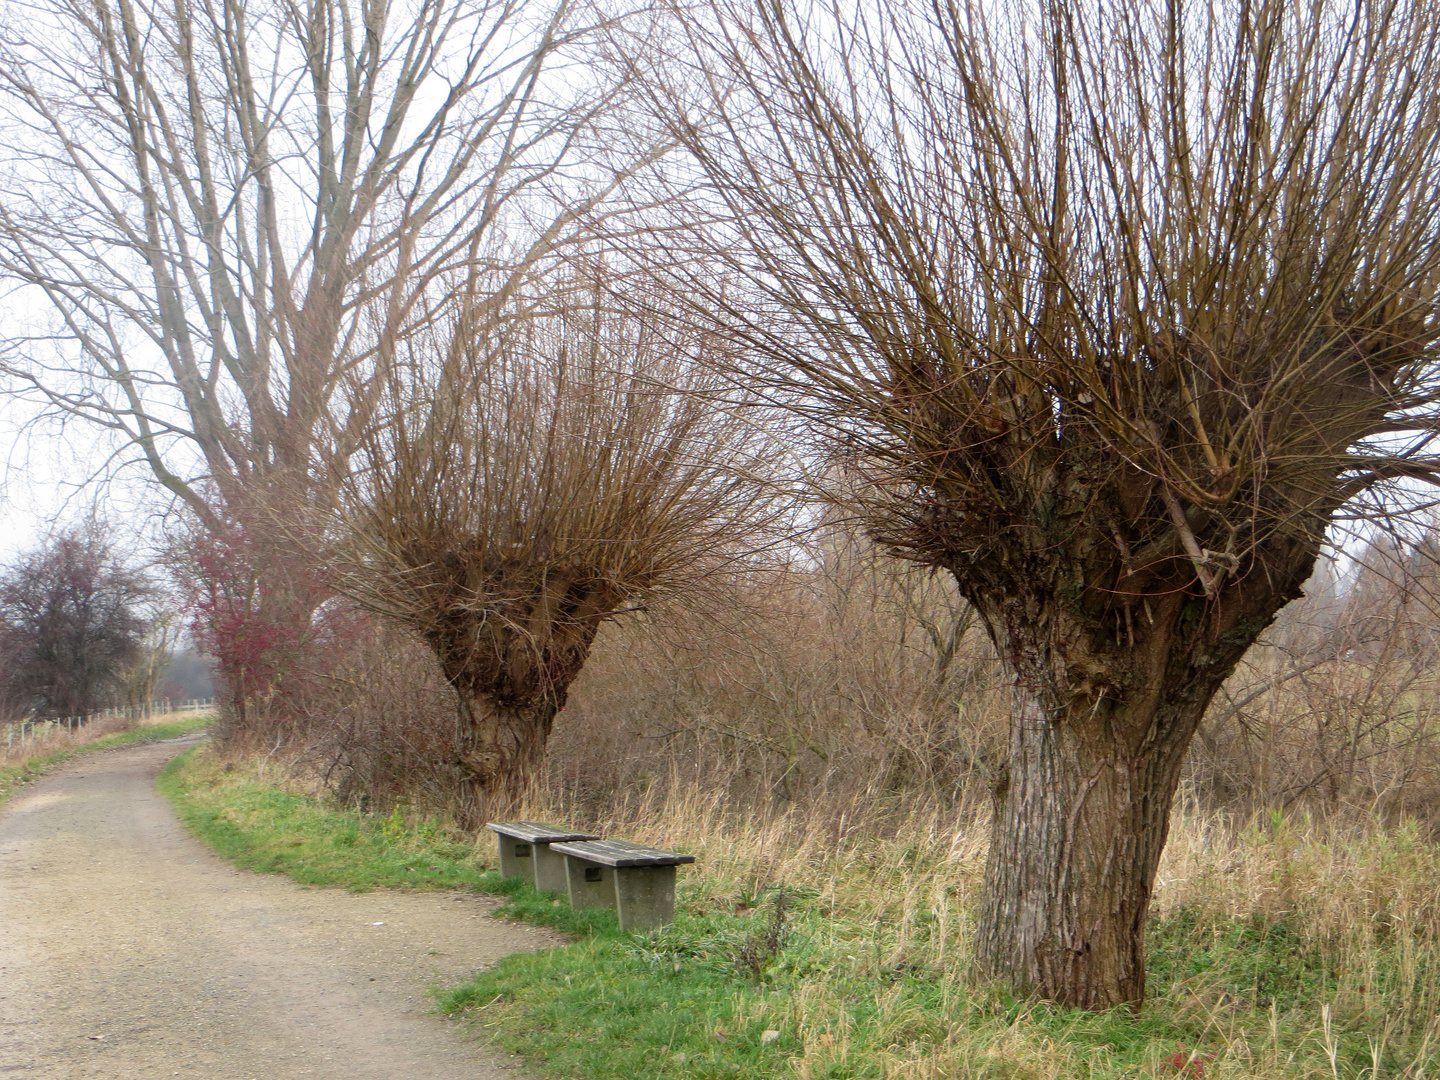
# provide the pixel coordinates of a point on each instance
(535, 832)
(621, 853)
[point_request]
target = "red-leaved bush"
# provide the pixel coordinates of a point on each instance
(360, 703)
(252, 606)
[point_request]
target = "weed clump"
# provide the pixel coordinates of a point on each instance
(762, 945)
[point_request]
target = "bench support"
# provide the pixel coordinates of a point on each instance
(645, 896)
(517, 858)
(536, 863)
(550, 872)
(591, 884)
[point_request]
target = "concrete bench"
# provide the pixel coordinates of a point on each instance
(525, 853)
(638, 882)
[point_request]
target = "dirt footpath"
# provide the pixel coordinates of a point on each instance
(129, 951)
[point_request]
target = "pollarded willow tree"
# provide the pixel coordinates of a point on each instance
(526, 477)
(1116, 307)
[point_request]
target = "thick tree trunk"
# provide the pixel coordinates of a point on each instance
(502, 749)
(511, 668)
(1104, 711)
(1080, 824)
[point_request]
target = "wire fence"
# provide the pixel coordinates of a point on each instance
(32, 731)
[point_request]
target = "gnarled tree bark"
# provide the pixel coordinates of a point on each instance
(501, 753)
(512, 672)
(1082, 808)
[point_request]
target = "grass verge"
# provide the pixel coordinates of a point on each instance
(265, 828)
(799, 955)
(32, 768)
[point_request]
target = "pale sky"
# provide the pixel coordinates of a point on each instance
(49, 477)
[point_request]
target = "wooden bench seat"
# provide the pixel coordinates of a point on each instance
(525, 852)
(638, 882)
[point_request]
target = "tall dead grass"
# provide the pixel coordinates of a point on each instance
(1281, 945)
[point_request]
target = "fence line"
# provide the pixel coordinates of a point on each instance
(34, 731)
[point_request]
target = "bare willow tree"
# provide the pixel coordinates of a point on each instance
(525, 480)
(210, 212)
(1116, 308)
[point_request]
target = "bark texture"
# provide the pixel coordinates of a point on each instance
(502, 749)
(1108, 692)
(511, 662)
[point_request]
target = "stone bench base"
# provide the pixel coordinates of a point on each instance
(637, 882)
(525, 853)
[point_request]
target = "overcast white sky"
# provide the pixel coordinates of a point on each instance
(48, 477)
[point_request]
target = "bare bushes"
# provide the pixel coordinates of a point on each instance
(1339, 709)
(254, 604)
(372, 718)
(805, 690)
(816, 683)
(844, 675)
(349, 702)
(851, 692)
(354, 706)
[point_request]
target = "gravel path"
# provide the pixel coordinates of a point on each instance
(129, 951)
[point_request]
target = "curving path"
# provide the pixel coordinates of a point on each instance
(129, 952)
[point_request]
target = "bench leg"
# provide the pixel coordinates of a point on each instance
(550, 872)
(590, 884)
(517, 859)
(645, 896)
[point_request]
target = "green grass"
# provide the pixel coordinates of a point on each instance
(834, 991)
(262, 827)
(266, 829)
(16, 776)
(602, 1008)
(678, 1004)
